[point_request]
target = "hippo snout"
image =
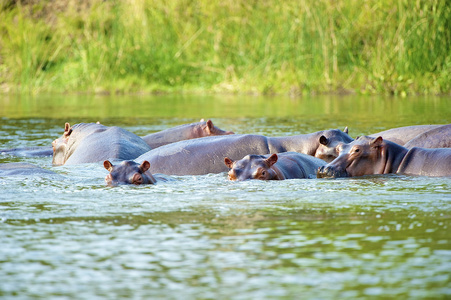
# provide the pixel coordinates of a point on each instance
(109, 180)
(330, 172)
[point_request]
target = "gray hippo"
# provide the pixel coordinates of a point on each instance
(183, 132)
(130, 172)
(37, 151)
(19, 168)
(439, 137)
(367, 155)
(328, 147)
(206, 155)
(287, 165)
(402, 135)
(92, 142)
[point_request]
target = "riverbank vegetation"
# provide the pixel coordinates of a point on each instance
(262, 47)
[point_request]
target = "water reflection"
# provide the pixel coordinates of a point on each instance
(374, 111)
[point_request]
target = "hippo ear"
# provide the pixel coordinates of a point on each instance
(108, 165)
(210, 127)
(323, 140)
(377, 142)
(144, 166)
(67, 130)
(228, 162)
(346, 130)
(272, 159)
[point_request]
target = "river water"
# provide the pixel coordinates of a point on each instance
(203, 237)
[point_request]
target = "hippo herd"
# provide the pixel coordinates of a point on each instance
(202, 148)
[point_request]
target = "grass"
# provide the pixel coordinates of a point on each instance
(234, 46)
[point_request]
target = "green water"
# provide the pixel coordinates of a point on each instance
(204, 237)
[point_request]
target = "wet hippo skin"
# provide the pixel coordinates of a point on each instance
(37, 151)
(20, 168)
(439, 137)
(401, 135)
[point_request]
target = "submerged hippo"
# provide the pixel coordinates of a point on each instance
(367, 155)
(287, 165)
(19, 168)
(130, 172)
(439, 137)
(36, 151)
(328, 147)
(183, 132)
(402, 135)
(206, 155)
(91, 142)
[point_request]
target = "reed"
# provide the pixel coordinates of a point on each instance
(235, 46)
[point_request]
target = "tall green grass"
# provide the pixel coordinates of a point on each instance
(244, 46)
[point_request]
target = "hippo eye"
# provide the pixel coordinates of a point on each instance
(357, 150)
(137, 179)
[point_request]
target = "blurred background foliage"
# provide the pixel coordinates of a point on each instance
(230, 46)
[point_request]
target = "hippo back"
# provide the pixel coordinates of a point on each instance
(426, 162)
(298, 165)
(36, 151)
(183, 132)
(23, 169)
(402, 135)
(203, 155)
(97, 142)
(439, 137)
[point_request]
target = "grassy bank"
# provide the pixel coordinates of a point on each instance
(264, 47)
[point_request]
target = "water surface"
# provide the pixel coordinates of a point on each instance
(203, 237)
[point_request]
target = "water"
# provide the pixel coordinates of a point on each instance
(204, 237)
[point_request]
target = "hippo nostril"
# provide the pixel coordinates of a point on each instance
(108, 179)
(327, 172)
(321, 170)
(330, 172)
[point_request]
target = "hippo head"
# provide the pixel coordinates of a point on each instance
(330, 143)
(208, 129)
(363, 156)
(60, 146)
(128, 172)
(252, 167)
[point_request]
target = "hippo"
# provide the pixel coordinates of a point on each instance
(402, 135)
(206, 155)
(130, 172)
(368, 155)
(183, 132)
(287, 165)
(439, 137)
(20, 168)
(93, 142)
(328, 147)
(37, 151)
